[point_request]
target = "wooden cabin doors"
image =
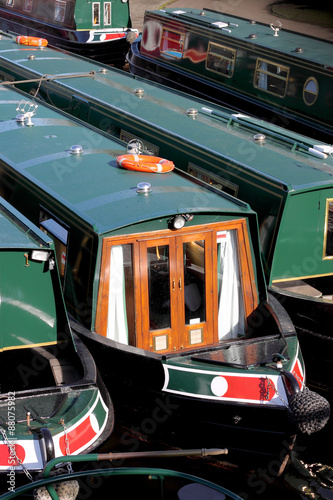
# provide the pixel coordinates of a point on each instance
(176, 279)
(169, 291)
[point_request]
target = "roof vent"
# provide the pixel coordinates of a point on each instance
(253, 22)
(103, 71)
(299, 50)
(143, 188)
(252, 36)
(259, 138)
(139, 92)
(76, 150)
(31, 57)
(202, 13)
(192, 112)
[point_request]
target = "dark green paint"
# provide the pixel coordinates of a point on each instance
(266, 176)
(94, 197)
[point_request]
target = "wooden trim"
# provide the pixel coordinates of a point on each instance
(140, 243)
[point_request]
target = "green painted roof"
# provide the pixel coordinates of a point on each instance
(17, 232)
(284, 157)
(92, 185)
(314, 49)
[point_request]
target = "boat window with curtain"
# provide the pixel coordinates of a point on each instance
(96, 13)
(271, 77)
(231, 318)
(120, 322)
(107, 13)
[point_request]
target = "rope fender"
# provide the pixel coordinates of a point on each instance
(66, 490)
(308, 411)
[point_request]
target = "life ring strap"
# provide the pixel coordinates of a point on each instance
(145, 163)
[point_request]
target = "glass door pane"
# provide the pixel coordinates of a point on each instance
(159, 287)
(194, 282)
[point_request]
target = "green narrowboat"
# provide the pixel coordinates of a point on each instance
(264, 70)
(284, 176)
(52, 402)
(163, 280)
(99, 30)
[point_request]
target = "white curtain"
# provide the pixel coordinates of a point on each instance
(231, 313)
(117, 321)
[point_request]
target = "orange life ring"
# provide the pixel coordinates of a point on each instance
(145, 163)
(31, 40)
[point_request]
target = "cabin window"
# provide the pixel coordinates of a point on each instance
(231, 322)
(107, 13)
(220, 59)
(59, 11)
(10, 3)
(96, 13)
(59, 233)
(27, 7)
(328, 239)
(310, 91)
(170, 291)
(216, 181)
(271, 77)
(172, 44)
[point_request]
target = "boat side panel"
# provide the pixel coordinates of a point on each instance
(301, 238)
(240, 86)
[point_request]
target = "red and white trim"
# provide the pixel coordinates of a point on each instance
(81, 436)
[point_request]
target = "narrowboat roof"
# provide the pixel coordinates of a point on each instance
(287, 42)
(18, 232)
(91, 184)
(286, 158)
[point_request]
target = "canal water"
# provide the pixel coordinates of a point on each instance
(307, 475)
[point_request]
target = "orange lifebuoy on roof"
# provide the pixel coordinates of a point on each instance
(32, 41)
(145, 163)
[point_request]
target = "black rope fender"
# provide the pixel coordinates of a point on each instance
(308, 411)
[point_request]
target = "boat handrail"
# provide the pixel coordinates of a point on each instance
(50, 77)
(319, 150)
